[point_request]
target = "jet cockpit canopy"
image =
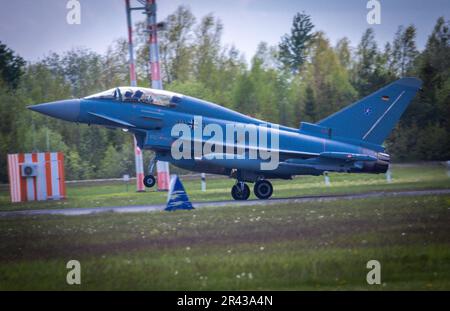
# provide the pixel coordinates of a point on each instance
(139, 95)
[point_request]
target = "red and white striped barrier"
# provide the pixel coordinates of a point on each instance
(36, 176)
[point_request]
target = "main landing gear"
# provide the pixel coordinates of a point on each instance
(263, 190)
(240, 191)
(150, 180)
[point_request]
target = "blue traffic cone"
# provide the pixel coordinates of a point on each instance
(177, 198)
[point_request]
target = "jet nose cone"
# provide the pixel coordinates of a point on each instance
(68, 110)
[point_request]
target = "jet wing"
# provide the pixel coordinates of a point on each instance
(284, 154)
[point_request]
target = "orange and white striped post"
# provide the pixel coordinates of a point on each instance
(139, 167)
(163, 175)
(36, 176)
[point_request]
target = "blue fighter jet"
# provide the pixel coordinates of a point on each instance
(204, 137)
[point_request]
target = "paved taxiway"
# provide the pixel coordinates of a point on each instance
(273, 201)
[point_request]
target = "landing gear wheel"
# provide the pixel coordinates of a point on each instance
(240, 192)
(149, 181)
(263, 189)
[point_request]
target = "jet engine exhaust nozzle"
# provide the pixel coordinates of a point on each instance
(381, 165)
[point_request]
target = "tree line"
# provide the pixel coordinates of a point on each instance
(303, 78)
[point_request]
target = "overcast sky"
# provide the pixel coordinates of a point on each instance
(33, 28)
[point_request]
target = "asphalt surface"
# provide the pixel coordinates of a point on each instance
(274, 201)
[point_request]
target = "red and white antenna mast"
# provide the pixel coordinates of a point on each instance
(156, 83)
(133, 82)
(162, 168)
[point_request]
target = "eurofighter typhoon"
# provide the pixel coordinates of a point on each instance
(200, 136)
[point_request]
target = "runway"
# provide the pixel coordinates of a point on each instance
(212, 204)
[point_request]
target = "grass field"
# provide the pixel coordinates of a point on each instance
(307, 246)
(404, 177)
(317, 245)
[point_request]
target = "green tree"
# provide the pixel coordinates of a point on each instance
(11, 134)
(366, 56)
(231, 66)
(343, 52)
(115, 69)
(423, 133)
(76, 168)
(267, 56)
(11, 66)
(176, 45)
(310, 105)
(294, 47)
(43, 139)
(192, 88)
(404, 51)
(262, 91)
(111, 164)
(207, 49)
(328, 79)
(245, 99)
(370, 71)
(81, 68)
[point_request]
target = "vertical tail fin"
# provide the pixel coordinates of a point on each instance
(372, 118)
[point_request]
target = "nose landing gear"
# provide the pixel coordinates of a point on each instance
(150, 180)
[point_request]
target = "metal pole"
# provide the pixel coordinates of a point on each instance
(153, 44)
(47, 139)
(156, 83)
(203, 178)
(137, 151)
(130, 46)
(327, 179)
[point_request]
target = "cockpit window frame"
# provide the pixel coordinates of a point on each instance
(103, 94)
(139, 95)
